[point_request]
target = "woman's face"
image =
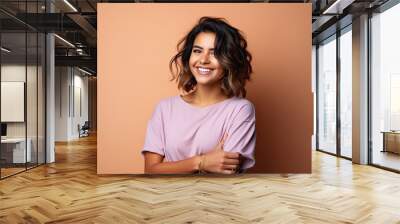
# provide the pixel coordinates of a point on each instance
(203, 63)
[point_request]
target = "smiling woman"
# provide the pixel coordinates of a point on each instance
(210, 127)
(203, 64)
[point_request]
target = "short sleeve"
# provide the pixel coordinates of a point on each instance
(154, 141)
(242, 135)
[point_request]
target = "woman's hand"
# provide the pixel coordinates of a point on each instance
(219, 161)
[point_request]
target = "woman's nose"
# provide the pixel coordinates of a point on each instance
(205, 58)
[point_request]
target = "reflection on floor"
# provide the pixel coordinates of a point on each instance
(386, 159)
(11, 169)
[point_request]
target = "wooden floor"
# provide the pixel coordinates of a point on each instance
(69, 191)
(5, 172)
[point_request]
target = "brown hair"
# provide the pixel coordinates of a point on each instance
(230, 51)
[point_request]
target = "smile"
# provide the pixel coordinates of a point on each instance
(204, 71)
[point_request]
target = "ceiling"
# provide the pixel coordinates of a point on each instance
(76, 22)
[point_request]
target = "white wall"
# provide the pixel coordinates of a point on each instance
(62, 80)
(71, 93)
(80, 111)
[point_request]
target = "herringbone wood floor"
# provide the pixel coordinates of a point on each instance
(69, 191)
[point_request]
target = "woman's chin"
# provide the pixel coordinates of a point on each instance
(205, 82)
(204, 79)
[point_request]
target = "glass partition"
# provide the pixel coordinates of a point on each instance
(32, 95)
(13, 95)
(22, 88)
(327, 95)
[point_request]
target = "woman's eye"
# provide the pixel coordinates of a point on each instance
(196, 51)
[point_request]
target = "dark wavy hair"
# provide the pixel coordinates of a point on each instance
(230, 51)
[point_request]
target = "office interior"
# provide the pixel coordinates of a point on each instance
(377, 95)
(49, 72)
(48, 75)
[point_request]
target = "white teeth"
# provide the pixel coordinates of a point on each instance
(204, 71)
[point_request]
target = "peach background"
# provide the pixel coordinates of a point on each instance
(135, 44)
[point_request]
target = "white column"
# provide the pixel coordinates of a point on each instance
(360, 90)
(50, 92)
(314, 92)
(50, 100)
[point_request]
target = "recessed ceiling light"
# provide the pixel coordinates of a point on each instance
(338, 6)
(84, 71)
(5, 50)
(64, 40)
(70, 5)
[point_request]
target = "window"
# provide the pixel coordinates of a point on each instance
(385, 88)
(327, 96)
(346, 93)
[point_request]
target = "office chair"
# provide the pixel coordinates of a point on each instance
(84, 130)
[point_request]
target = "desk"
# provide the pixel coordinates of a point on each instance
(13, 150)
(391, 141)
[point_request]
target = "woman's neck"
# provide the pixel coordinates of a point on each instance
(207, 95)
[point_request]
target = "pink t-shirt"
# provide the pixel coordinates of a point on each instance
(178, 130)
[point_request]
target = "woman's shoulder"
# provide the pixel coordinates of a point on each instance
(241, 102)
(167, 102)
(243, 107)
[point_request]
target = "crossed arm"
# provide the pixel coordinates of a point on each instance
(215, 161)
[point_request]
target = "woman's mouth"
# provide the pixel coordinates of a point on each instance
(204, 71)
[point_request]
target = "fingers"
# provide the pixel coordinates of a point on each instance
(229, 167)
(230, 171)
(231, 155)
(231, 161)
